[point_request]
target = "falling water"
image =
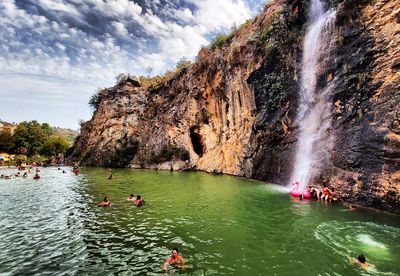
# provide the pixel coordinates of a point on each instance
(314, 111)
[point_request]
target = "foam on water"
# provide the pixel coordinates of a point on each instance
(367, 239)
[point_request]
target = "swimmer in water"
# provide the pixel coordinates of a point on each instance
(361, 261)
(139, 201)
(174, 259)
(352, 207)
(105, 202)
(131, 197)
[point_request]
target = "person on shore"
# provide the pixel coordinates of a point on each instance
(105, 202)
(326, 193)
(110, 177)
(334, 197)
(361, 261)
(131, 198)
(37, 176)
(175, 259)
(139, 201)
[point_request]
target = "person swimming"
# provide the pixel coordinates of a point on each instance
(174, 259)
(139, 201)
(37, 176)
(352, 207)
(25, 175)
(361, 261)
(105, 202)
(131, 197)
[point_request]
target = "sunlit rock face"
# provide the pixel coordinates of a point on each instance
(234, 110)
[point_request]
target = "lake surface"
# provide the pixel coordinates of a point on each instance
(221, 225)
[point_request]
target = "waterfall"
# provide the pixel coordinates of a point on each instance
(313, 114)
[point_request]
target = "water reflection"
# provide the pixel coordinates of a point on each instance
(221, 224)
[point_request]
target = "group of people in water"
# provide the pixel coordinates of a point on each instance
(138, 201)
(24, 175)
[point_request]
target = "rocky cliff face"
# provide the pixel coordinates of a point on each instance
(233, 110)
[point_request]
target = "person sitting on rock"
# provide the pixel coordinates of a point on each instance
(105, 202)
(334, 197)
(326, 193)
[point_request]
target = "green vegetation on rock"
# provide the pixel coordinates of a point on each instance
(168, 153)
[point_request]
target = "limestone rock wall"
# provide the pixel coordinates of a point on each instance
(234, 109)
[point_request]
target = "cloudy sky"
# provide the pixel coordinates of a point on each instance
(55, 53)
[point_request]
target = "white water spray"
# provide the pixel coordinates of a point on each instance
(313, 144)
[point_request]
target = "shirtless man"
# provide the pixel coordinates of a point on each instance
(174, 259)
(361, 261)
(105, 202)
(138, 201)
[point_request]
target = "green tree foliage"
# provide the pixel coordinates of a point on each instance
(94, 100)
(219, 40)
(31, 135)
(54, 145)
(6, 142)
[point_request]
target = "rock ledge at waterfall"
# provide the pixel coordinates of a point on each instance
(234, 110)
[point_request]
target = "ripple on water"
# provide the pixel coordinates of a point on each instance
(377, 242)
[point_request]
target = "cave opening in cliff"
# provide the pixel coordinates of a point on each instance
(195, 137)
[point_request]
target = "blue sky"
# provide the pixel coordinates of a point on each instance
(55, 53)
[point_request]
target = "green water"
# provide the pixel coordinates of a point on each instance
(221, 225)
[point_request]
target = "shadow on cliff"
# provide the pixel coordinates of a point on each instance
(362, 160)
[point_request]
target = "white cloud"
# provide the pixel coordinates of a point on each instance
(60, 6)
(60, 46)
(120, 29)
(61, 53)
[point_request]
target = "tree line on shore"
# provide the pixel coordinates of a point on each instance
(31, 138)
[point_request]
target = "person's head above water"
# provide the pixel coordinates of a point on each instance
(132, 195)
(105, 199)
(361, 258)
(175, 251)
(138, 197)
